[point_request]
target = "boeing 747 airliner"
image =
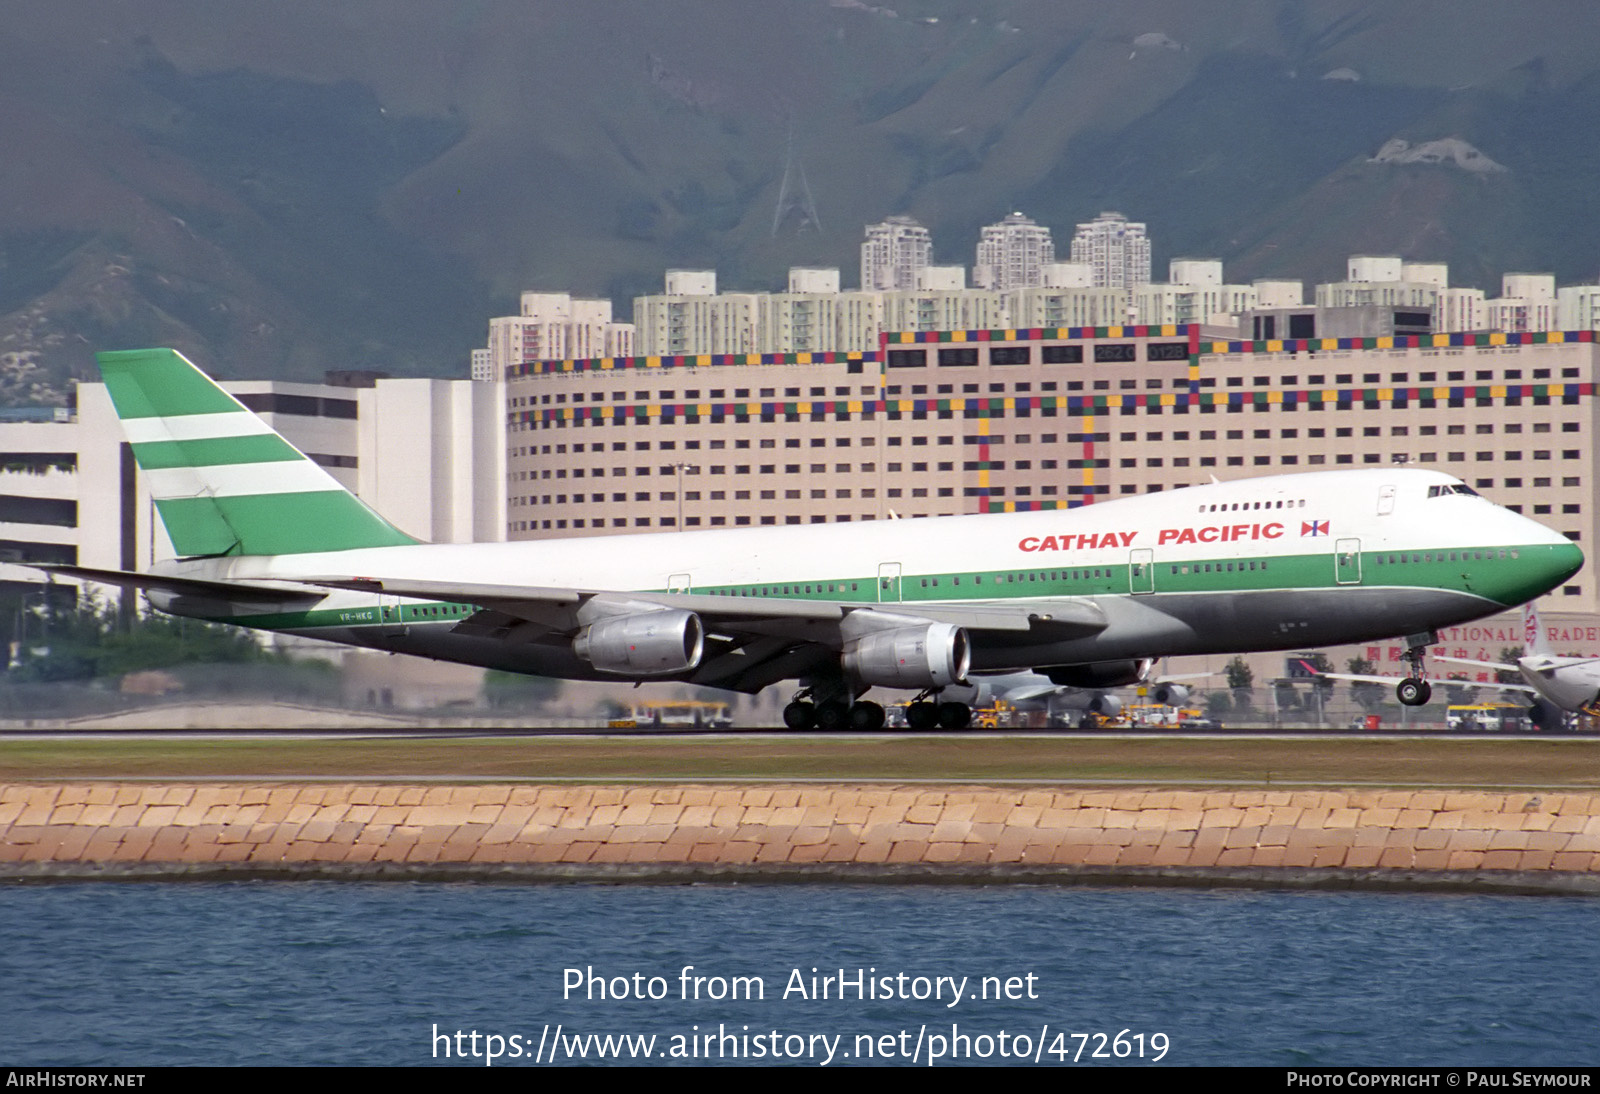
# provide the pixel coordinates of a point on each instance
(267, 539)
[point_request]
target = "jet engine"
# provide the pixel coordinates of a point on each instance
(932, 656)
(1104, 704)
(1170, 695)
(1544, 714)
(647, 644)
(1099, 674)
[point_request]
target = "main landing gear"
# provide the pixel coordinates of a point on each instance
(1414, 690)
(868, 717)
(833, 714)
(924, 714)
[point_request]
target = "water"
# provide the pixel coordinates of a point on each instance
(341, 973)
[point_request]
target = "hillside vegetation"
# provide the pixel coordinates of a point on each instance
(282, 189)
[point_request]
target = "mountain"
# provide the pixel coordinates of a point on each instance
(282, 189)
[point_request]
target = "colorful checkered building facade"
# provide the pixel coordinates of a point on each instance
(955, 422)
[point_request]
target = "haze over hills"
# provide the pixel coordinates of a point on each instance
(280, 189)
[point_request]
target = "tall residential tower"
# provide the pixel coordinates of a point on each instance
(1013, 254)
(1117, 249)
(895, 251)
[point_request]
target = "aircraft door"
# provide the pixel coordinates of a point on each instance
(888, 582)
(391, 616)
(678, 583)
(1142, 571)
(1347, 561)
(1385, 500)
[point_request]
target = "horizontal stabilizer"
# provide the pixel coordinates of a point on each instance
(232, 591)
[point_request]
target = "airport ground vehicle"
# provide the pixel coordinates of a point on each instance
(1489, 717)
(677, 714)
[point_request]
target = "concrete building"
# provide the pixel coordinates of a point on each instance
(692, 317)
(550, 326)
(814, 316)
(1278, 294)
(1527, 302)
(1066, 306)
(1388, 281)
(483, 368)
(984, 420)
(1578, 307)
(1355, 321)
(1117, 249)
(1459, 309)
(1013, 254)
(941, 278)
(999, 420)
(895, 252)
(1194, 293)
(944, 309)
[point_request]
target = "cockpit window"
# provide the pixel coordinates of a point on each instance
(1451, 488)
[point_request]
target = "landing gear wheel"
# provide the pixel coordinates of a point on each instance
(832, 715)
(1413, 692)
(799, 715)
(954, 715)
(921, 715)
(866, 717)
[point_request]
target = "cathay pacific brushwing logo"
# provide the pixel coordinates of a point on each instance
(1314, 527)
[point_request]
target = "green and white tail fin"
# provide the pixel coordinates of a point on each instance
(223, 481)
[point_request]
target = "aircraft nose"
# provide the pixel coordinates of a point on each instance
(1565, 560)
(1545, 559)
(1547, 565)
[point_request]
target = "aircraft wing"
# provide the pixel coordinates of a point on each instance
(1028, 692)
(1464, 683)
(1362, 677)
(751, 641)
(1500, 665)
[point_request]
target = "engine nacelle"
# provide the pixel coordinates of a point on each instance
(932, 656)
(1544, 714)
(1104, 704)
(648, 644)
(1170, 695)
(1100, 674)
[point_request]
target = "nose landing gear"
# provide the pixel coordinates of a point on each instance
(1414, 690)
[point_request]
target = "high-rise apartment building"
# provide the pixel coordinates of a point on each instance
(553, 325)
(1194, 293)
(895, 251)
(1013, 254)
(1116, 248)
(1527, 302)
(692, 317)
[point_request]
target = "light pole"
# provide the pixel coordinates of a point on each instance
(680, 468)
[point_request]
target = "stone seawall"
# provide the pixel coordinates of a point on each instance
(54, 829)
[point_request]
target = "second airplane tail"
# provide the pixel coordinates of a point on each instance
(1533, 639)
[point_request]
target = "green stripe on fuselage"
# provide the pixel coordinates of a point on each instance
(212, 451)
(1505, 581)
(159, 383)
